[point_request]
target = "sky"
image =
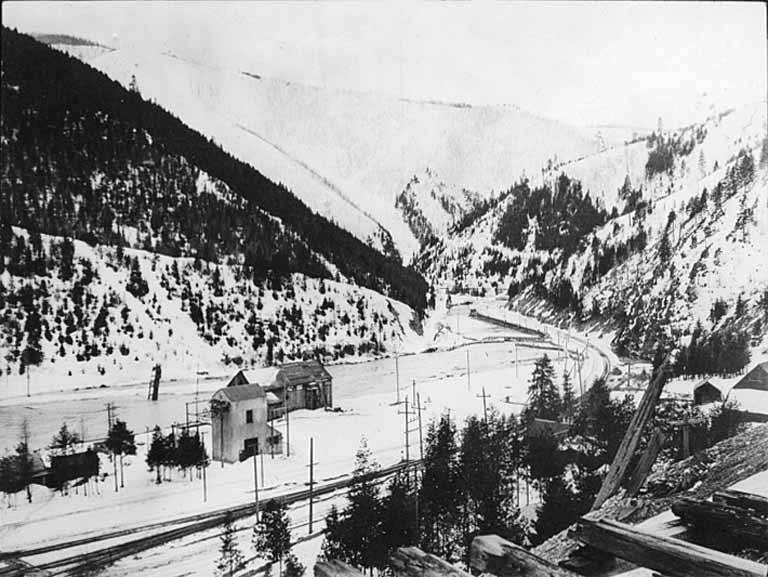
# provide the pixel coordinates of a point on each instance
(586, 63)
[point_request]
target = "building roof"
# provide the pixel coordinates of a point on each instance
(263, 376)
(303, 372)
(242, 392)
(756, 379)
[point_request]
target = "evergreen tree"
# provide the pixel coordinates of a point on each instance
(64, 440)
(137, 286)
(230, 558)
(543, 397)
(440, 495)
(156, 453)
(272, 534)
(293, 567)
(121, 441)
(569, 399)
(398, 520)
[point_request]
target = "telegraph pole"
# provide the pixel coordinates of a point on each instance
(287, 423)
(485, 406)
(397, 377)
(205, 488)
(311, 466)
(407, 453)
(421, 434)
(468, 385)
(255, 481)
(517, 371)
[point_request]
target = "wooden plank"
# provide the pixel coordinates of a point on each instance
(492, 554)
(334, 568)
(413, 562)
(756, 503)
(747, 527)
(645, 463)
(671, 557)
(632, 437)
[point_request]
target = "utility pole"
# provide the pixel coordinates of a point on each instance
(287, 423)
(205, 488)
(311, 466)
(485, 406)
(255, 480)
(468, 383)
(397, 377)
(579, 359)
(407, 454)
(517, 371)
(421, 433)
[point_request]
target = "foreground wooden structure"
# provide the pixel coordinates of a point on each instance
(631, 438)
(497, 556)
(671, 557)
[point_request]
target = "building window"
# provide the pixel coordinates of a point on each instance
(249, 416)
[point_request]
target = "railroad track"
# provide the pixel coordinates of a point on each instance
(174, 529)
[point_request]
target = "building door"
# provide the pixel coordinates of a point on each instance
(251, 446)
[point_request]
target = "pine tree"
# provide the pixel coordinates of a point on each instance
(230, 557)
(440, 495)
(155, 454)
(398, 519)
(136, 285)
(569, 399)
(64, 440)
(272, 535)
(665, 251)
(543, 397)
(121, 441)
(293, 567)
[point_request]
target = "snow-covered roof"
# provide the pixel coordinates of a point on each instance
(264, 376)
(750, 400)
(272, 398)
(756, 379)
(238, 393)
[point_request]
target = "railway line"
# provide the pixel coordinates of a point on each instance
(161, 533)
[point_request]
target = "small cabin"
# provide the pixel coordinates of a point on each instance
(705, 393)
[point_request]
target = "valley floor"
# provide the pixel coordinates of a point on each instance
(366, 393)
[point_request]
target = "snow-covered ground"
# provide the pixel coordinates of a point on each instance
(365, 391)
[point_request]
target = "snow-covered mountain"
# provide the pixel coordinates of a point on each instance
(348, 155)
(431, 207)
(684, 224)
(126, 238)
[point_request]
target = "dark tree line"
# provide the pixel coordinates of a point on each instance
(563, 216)
(87, 158)
(723, 352)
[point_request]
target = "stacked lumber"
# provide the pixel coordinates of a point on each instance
(671, 557)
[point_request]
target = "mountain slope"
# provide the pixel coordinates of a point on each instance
(347, 154)
(178, 246)
(683, 226)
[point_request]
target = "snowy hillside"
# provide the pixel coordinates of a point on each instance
(347, 154)
(431, 207)
(121, 311)
(685, 224)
